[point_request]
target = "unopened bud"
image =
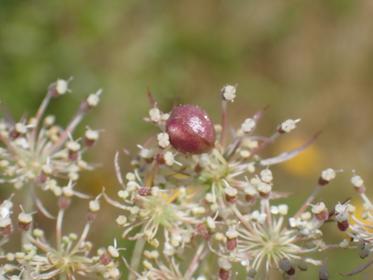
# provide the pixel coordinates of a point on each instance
(287, 267)
(326, 176)
(230, 194)
(228, 93)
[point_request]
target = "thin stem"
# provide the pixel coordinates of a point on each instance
(136, 257)
(71, 127)
(290, 154)
(28, 207)
(61, 213)
(309, 200)
(83, 237)
(224, 122)
(40, 113)
(195, 261)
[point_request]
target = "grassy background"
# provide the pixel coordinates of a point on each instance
(306, 59)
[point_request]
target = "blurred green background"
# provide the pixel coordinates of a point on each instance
(306, 59)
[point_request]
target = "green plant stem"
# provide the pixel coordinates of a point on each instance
(28, 206)
(136, 257)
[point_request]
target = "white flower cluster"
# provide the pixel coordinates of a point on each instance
(207, 192)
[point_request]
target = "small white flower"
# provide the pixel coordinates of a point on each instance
(25, 218)
(38, 233)
(146, 153)
(283, 209)
(318, 208)
(264, 188)
(250, 190)
(94, 98)
(229, 93)
(62, 86)
(258, 216)
(113, 251)
(49, 120)
(229, 191)
(231, 233)
(306, 216)
(357, 181)
(199, 210)
(91, 134)
(224, 264)
(211, 223)
(68, 191)
(328, 174)
(294, 222)
(73, 146)
(123, 194)
(274, 210)
(121, 220)
(155, 114)
(344, 243)
(342, 211)
(266, 175)
(248, 125)
(289, 125)
(94, 205)
(169, 158)
(163, 140)
(21, 128)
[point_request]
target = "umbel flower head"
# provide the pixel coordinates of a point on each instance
(69, 258)
(38, 152)
(196, 184)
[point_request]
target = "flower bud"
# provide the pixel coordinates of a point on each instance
(190, 130)
(288, 126)
(64, 202)
(105, 259)
(264, 189)
(287, 267)
(60, 87)
(228, 93)
(326, 176)
(224, 269)
(90, 137)
(24, 220)
(343, 225)
(230, 194)
(202, 230)
(320, 211)
(358, 183)
(144, 191)
(73, 148)
(231, 235)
